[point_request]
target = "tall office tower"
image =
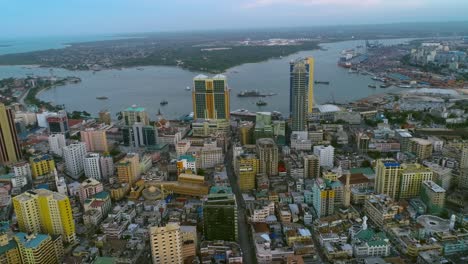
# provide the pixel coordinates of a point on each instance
(128, 169)
(326, 155)
(107, 166)
(96, 140)
(58, 123)
(88, 188)
(311, 167)
(220, 217)
(211, 97)
(39, 248)
(411, 178)
(41, 165)
(45, 211)
(105, 117)
(267, 152)
(362, 141)
(74, 155)
(134, 115)
(92, 166)
(247, 169)
(56, 144)
(166, 244)
(10, 150)
(387, 180)
(139, 135)
(301, 92)
(323, 197)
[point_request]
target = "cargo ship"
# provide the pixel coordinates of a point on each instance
(322, 82)
(253, 94)
(163, 102)
(102, 97)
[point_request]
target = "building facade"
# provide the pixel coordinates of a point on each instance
(220, 217)
(211, 97)
(301, 92)
(267, 152)
(74, 155)
(166, 244)
(10, 150)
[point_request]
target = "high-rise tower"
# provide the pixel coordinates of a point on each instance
(301, 92)
(211, 97)
(45, 211)
(10, 150)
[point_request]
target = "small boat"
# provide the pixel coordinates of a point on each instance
(372, 86)
(163, 102)
(322, 82)
(405, 86)
(385, 85)
(261, 103)
(188, 88)
(353, 71)
(102, 98)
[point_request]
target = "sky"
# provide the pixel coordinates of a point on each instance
(78, 17)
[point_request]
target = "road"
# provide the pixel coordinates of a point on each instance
(244, 239)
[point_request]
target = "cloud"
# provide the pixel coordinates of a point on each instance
(343, 3)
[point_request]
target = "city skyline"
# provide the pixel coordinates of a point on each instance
(124, 16)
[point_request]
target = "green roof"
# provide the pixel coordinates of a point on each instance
(135, 109)
(104, 260)
(189, 158)
(31, 243)
(11, 245)
(101, 195)
(372, 238)
(363, 170)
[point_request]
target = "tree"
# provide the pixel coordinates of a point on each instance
(201, 172)
(366, 164)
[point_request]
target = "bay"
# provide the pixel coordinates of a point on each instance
(148, 86)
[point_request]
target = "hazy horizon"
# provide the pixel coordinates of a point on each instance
(31, 18)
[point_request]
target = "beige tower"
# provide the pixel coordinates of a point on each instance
(166, 244)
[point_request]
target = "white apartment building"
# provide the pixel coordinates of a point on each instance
(326, 155)
(107, 167)
(56, 144)
(74, 155)
(92, 166)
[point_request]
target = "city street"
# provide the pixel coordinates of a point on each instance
(244, 239)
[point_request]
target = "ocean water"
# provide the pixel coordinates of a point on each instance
(148, 86)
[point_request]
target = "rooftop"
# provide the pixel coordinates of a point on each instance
(31, 241)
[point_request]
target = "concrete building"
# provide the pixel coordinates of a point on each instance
(57, 123)
(421, 147)
(311, 167)
(301, 92)
(326, 155)
(220, 217)
(39, 248)
(45, 211)
(88, 188)
(22, 169)
(106, 163)
(323, 197)
(74, 155)
(10, 149)
(433, 196)
(381, 209)
(387, 178)
(300, 141)
(411, 177)
(92, 166)
(211, 156)
(41, 165)
(247, 166)
(166, 244)
(209, 127)
(134, 115)
(140, 135)
(267, 152)
(211, 97)
(96, 140)
(128, 169)
(189, 238)
(105, 117)
(56, 144)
